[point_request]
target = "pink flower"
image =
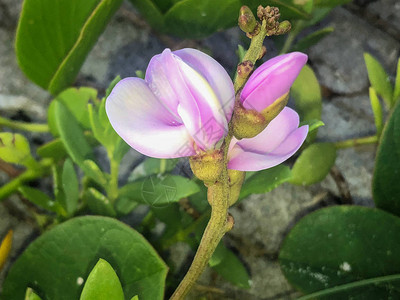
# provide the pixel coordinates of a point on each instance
(183, 105)
(279, 141)
(272, 80)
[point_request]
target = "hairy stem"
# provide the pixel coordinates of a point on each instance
(357, 141)
(23, 125)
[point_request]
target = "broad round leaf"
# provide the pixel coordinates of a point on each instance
(385, 186)
(55, 264)
(354, 249)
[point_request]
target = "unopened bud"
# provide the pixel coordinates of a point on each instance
(207, 166)
(236, 179)
(284, 27)
(247, 22)
(245, 68)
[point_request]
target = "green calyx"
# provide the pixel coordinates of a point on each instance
(208, 166)
(236, 179)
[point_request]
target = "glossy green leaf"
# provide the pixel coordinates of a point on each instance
(31, 295)
(40, 199)
(307, 97)
(93, 171)
(228, 265)
(379, 79)
(53, 38)
(58, 261)
(313, 164)
(377, 110)
(344, 252)
(312, 39)
(265, 181)
(396, 92)
(53, 149)
(385, 185)
(151, 166)
(71, 134)
(159, 190)
(98, 203)
(312, 124)
(14, 148)
(70, 186)
(102, 283)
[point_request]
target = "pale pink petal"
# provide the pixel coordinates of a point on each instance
(272, 80)
(243, 160)
(144, 123)
(214, 73)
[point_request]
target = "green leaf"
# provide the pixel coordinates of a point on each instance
(151, 13)
(124, 205)
(289, 9)
(57, 262)
(241, 52)
(31, 295)
(396, 93)
(377, 110)
(330, 3)
(71, 134)
(313, 164)
(40, 199)
(98, 203)
(312, 39)
(307, 97)
(346, 249)
(312, 124)
(53, 149)
(14, 148)
(53, 38)
(135, 297)
(112, 85)
(159, 190)
(93, 171)
(102, 283)
(70, 185)
(265, 181)
(385, 184)
(379, 79)
(228, 265)
(151, 166)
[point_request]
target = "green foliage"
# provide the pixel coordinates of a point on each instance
(53, 38)
(102, 283)
(385, 186)
(151, 166)
(14, 148)
(379, 79)
(312, 39)
(98, 203)
(57, 261)
(396, 93)
(31, 295)
(307, 97)
(313, 164)
(70, 186)
(377, 110)
(344, 252)
(40, 199)
(265, 181)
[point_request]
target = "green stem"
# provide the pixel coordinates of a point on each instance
(30, 174)
(356, 142)
(24, 126)
(358, 284)
(113, 184)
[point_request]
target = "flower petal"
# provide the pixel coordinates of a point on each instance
(272, 80)
(214, 73)
(243, 160)
(144, 123)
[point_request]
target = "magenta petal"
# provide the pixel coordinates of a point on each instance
(272, 80)
(214, 73)
(279, 141)
(144, 123)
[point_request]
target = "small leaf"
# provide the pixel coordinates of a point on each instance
(312, 39)
(59, 260)
(312, 124)
(98, 203)
(151, 166)
(102, 283)
(70, 185)
(5, 248)
(330, 3)
(124, 205)
(347, 249)
(135, 297)
(396, 93)
(71, 134)
(40, 199)
(313, 164)
(93, 171)
(241, 52)
(379, 79)
(151, 13)
(377, 110)
(14, 148)
(53, 149)
(31, 295)
(112, 85)
(385, 183)
(53, 38)
(265, 181)
(307, 97)
(226, 264)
